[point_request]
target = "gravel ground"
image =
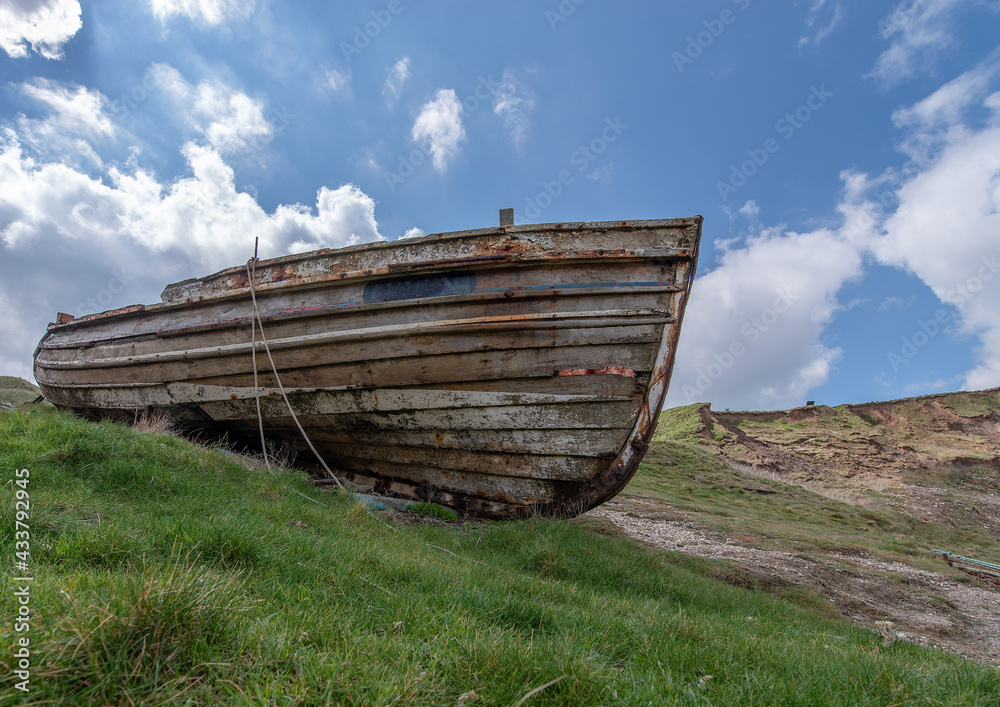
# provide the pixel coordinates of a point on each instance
(897, 600)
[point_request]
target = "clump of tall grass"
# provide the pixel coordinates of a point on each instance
(155, 422)
(153, 629)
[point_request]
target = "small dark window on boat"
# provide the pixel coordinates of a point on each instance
(417, 287)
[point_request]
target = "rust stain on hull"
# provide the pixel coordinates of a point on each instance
(500, 372)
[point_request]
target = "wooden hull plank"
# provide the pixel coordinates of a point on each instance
(592, 416)
(564, 442)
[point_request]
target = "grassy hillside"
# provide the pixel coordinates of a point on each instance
(802, 517)
(847, 501)
(166, 573)
(893, 477)
(16, 391)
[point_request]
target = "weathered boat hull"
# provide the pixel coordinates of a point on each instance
(500, 371)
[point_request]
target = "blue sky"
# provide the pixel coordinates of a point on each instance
(845, 155)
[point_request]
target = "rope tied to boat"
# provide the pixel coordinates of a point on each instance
(255, 323)
(251, 273)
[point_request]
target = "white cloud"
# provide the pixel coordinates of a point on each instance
(440, 125)
(230, 120)
(413, 233)
(202, 216)
(235, 121)
(933, 123)
(78, 109)
(750, 211)
(336, 80)
(76, 122)
(919, 30)
(945, 228)
(824, 16)
(512, 103)
(207, 12)
(18, 339)
(44, 25)
(946, 232)
(753, 332)
(67, 237)
(890, 303)
(604, 174)
(753, 327)
(398, 75)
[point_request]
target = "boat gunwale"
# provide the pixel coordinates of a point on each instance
(445, 236)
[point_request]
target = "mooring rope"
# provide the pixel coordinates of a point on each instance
(251, 274)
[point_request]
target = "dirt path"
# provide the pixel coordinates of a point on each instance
(895, 599)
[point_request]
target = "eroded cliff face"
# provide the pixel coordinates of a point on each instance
(933, 459)
(905, 439)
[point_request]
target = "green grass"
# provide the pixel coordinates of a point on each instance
(16, 391)
(166, 573)
(680, 423)
(17, 397)
(978, 404)
(14, 383)
(433, 510)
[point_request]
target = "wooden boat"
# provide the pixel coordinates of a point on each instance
(500, 371)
